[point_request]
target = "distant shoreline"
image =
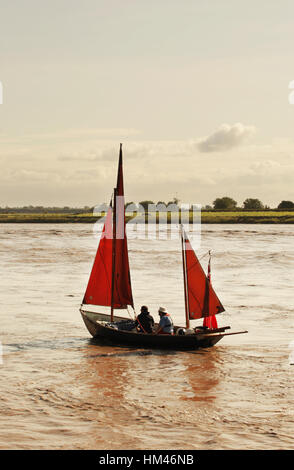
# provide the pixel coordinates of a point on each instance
(207, 217)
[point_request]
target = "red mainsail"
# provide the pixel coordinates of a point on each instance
(202, 301)
(110, 282)
(98, 291)
(122, 289)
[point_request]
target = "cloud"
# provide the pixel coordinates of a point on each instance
(267, 167)
(145, 151)
(82, 172)
(225, 138)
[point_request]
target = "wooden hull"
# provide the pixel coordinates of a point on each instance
(98, 329)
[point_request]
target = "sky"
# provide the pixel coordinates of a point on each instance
(197, 92)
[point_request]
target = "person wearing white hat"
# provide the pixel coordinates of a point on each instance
(165, 326)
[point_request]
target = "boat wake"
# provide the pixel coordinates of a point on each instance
(67, 343)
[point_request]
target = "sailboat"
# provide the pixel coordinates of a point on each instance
(110, 286)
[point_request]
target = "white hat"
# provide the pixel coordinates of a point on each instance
(162, 310)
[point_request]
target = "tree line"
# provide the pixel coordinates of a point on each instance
(249, 204)
(228, 203)
(221, 203)
(45, 210)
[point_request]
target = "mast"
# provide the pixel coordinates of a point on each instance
(113, 252)
(185, 279)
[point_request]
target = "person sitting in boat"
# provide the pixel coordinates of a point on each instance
(145, 321)
(165, 326)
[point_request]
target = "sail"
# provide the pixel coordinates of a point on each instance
(201, 298)
(122, 289)
(98, 291)
(209, 322)
(110, 283)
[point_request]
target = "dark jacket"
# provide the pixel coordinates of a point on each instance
(145, 322)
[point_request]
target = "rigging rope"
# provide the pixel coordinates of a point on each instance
(203, 256)
(130, 315)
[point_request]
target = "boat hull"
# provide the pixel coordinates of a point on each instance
(173, 342)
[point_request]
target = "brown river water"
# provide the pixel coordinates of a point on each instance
(61, 390)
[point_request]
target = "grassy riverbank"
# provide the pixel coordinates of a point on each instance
(248, 217)
(207, 217)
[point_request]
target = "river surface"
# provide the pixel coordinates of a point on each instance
(60, 390)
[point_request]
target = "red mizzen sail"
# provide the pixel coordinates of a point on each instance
(201, 298)
(209, 322)
(110, 282)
